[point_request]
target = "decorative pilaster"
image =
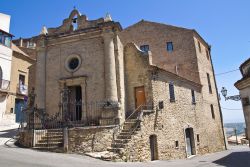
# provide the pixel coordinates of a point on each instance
(40, 87)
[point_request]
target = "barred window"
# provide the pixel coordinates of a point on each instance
(212, 111)
(193, 97)
(170, 46)
(199, 45)
(207, 54)
(171, 92)
(209, 83)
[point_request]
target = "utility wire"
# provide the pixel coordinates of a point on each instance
(231, 109)
(227, 72)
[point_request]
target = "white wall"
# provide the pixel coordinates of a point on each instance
(4, 22)
(5, 60)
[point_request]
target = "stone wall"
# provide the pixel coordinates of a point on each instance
(205, 67)
(90, 139)
(136, 75)
(181, 61)
(169, 125)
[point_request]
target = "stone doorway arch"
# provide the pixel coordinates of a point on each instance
(190, 142)
(153, 147)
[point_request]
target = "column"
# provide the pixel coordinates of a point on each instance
(110, 70)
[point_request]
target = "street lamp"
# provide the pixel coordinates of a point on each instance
(224, 93)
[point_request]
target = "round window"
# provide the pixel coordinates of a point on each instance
(73, 63)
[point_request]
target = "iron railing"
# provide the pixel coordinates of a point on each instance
(78, 114)
(22, 89)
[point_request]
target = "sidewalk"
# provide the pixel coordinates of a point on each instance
(7, 131)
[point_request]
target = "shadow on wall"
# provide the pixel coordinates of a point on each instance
(235, 159)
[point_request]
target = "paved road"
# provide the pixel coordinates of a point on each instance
(12, 156)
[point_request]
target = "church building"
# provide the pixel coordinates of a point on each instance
(142, 93)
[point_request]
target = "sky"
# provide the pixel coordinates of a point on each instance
(224, 24)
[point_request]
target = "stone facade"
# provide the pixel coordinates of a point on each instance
(109, 67)
(169, 124)
(244, 87)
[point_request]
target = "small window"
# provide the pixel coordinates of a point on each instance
(171, 92)
(5, 39)
(198, 138)
(212, 111)
(170, 46)
(74, 63)
(161, 105)
(21, 79)
(199, 45)
(193, 97)
(144, 48)
(176, 144)
(207, 54)
(209, 84)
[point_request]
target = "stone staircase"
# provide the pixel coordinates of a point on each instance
(130, 127)
(50, 139)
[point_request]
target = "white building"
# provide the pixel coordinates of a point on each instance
(5, 61)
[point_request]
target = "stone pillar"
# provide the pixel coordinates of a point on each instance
(40, 75)
(84, 102)
(110, 70)
(65, 139)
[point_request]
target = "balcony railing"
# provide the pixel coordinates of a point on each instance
(4, 85)
(22, 89)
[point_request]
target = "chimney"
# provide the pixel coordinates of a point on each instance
(21, 42)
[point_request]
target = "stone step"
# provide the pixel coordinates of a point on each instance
(124, 137)
(50, 140)
(54, 130)
(124, 141)
(52, 136)
(125, 133)
(46, 145)
(118, 145)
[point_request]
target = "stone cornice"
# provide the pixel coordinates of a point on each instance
(243, 83)
(51, 41)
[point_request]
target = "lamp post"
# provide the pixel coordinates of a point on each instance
(224, 93)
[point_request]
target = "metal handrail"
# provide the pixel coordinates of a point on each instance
(129, 116)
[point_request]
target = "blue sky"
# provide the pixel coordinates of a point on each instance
(225, 24)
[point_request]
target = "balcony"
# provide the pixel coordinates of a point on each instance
(4, 85)
(22, 89)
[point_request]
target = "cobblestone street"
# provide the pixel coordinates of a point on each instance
(11, 155)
